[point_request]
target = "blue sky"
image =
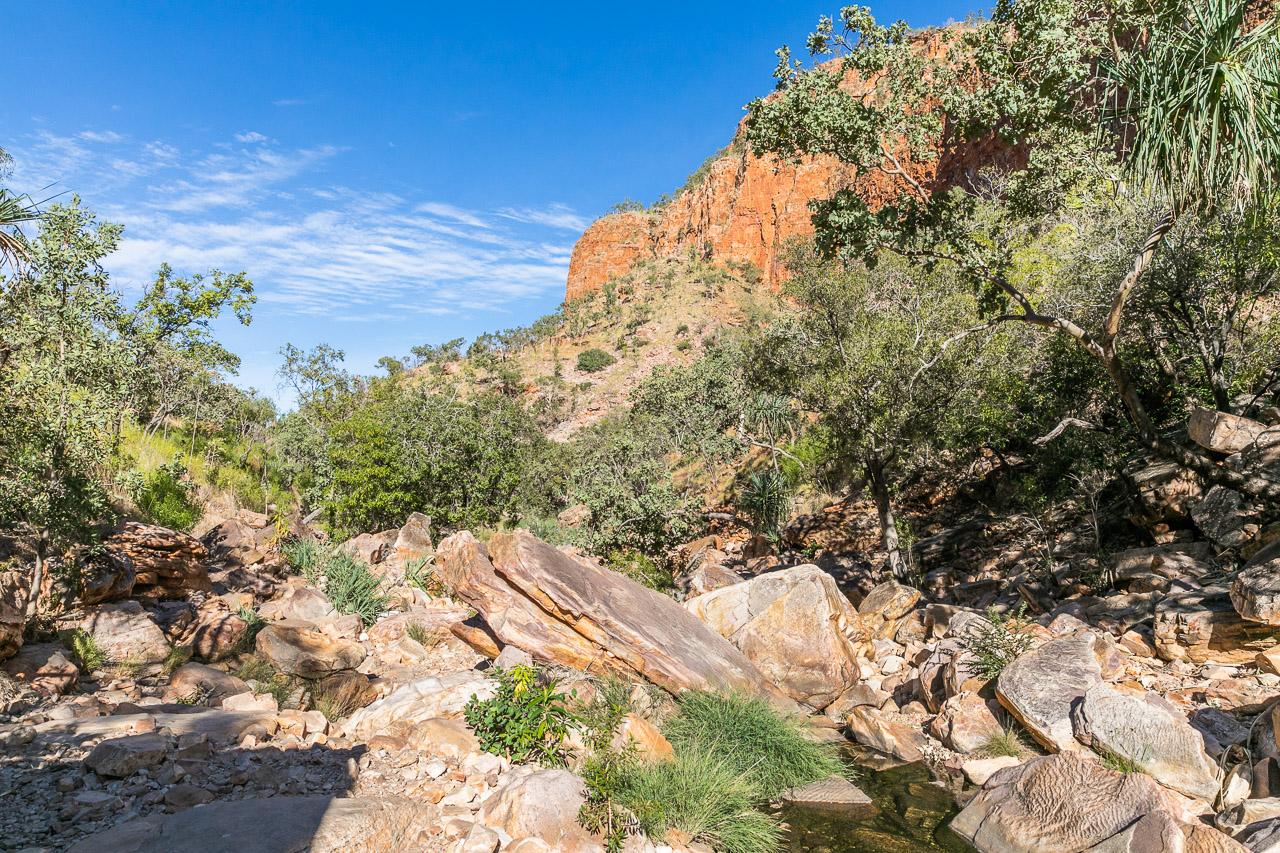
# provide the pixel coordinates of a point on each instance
(388, 174)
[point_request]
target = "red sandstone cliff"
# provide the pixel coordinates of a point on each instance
(747, 207)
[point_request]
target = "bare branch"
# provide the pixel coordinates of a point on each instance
(1062, 426)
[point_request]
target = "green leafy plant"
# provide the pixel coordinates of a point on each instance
(593, 360)
(999, 642)
(165, 496)
(766, 499)
(683, 346)
(525, 722)
(641, 569)
(92, 656)
(253, 623)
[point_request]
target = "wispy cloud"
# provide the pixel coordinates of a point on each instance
(293, 102)
(312, 248)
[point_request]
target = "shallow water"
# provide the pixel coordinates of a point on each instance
(911, 816)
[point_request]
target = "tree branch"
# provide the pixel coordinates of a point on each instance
(1062, 426)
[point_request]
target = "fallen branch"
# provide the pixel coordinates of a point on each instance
(1062, 426)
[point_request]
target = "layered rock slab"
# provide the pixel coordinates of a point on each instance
(577, 613)
(1040, 687)
(796, 627)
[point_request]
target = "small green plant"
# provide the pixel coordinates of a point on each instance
(420, 573)
(253, 623)
(92, 656)
(178, 655)
(1001, 641)
(524, 722)
(305, 556)
(132, 666)
(1008, 743)
(766, 499)
(165, 496)
(683, 346)
(641, 569)
(345, 579)
(593, 360)
(682, 329)
(256, 668)
(418, 633)
(1124, 764)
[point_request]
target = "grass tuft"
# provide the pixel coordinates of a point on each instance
(345, 579)
(92, 656)
(1122, 763)
(1009, 742)
(339, 700)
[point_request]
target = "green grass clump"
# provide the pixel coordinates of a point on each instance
(178, 655)
(1122, 763)
(255, 668)
(767, 747)
(707, 797)
(418, 633)
(1009, 742)
(92, 656)
(593, 360)
(165, 496)
(345, 579)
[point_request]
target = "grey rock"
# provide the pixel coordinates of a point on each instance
(124, 756)
(1040, 687)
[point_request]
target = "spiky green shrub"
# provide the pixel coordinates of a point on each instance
(1000, 641)
(92, 656)
(766, 499)
(345, 579)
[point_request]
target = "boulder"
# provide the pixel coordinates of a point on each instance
(884, 605)
(192, 679)
(412, 545)
(1255, 593)
(298, 648)
(166, 563)
(869, 727)
(1161, 493)
(44, 667)
(1147, 730)
(1226, 518)
(832, 792)
(314, 824)
(434, 621)
(574, 517)
(104, 577)
(965, 723)
(1040, 686)
(711, 577)
(372, 548)
(796, 627)
(215, 633)
(1066, 804)
(300, 602)
(421, 700)
(123, 756)
(638, 733)
(576, 613)
(541, 805)
(233, 542)
(1205, 627)
(979, 770)
(13, 611)
(1170, 561)
(444, 737)
(126, 632)
(1223, 432)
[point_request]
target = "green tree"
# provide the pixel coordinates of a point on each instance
(61, 381)
(1192, 103)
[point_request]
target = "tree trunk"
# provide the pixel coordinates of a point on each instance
(37, 576)
(884, 506)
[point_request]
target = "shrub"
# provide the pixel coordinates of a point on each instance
(767, 501)
(696, 793)
(682, 329)
(346, 580)
(524, 722)
(768, 748)
(641, 569)
(998, 644)
(592, 360)
(164, 496)
(683, 346)
(92, 656)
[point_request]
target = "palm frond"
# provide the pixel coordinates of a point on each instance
(1199, 106)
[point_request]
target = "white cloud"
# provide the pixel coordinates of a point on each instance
(251, 136)
(100, 136)
(313, 249)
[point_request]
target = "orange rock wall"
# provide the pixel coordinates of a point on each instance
(747, 207)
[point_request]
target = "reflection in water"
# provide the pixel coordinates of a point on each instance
(911, 817)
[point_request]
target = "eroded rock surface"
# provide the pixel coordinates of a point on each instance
(1040, 686)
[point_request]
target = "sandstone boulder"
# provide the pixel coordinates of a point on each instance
(1226, 518)
(541, 805)
(884, 606)
(796, 627)
(711, 577)
(1255, 593)
(298, 648)
(233, 542)
(196, 679)
(215, 633)
(1065, 804)
(123, 756)
(300, 602)
(870, 728)
(372, 548)
(1162, 493)
(166, 564)
(434, 621)
(13, 611)
(832, 792)
(578, 614)
(412, 545)
(44, 667)
(422, 700)
(271, 825)
(126, 632)
(965, 724)
(105, 577)
(1205, 627)
(1147, 730)
(1223, 432)
(1040, 686)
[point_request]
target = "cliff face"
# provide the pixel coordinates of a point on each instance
(747, 207)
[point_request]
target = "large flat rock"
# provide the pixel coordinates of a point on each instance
(1205, 627)
(1040, 687)
(1065, 804)
(796, 627)
(577, 613)
(273, 825)
(1150, 731)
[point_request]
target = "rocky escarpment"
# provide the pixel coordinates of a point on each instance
(746, 207)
